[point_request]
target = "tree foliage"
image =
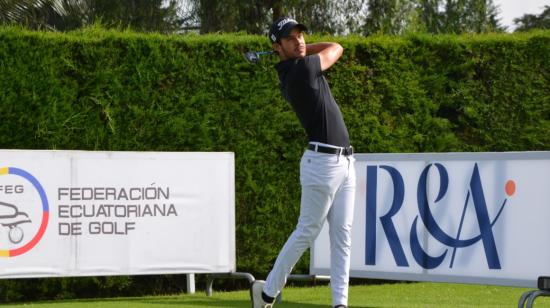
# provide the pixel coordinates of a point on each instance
(141, 15)
(388, 16)
(470, 16)
(529, 21)
(363, 17)
(321, 16)
(432, 16)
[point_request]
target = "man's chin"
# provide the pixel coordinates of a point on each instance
(301, 55)
(297, 55)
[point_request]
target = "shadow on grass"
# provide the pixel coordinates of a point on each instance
(181, 302)
(76, 301)
(213, 303)
(195, 302)
(234, 303)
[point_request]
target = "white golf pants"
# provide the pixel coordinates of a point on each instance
(328, 193)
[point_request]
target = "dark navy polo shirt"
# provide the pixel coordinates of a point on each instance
(306, 89)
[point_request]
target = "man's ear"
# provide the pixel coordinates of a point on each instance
(276, 47)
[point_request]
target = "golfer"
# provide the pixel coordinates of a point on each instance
(327, 174)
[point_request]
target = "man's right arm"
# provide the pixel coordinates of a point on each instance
(328, 52)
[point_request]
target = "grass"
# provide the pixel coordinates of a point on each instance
(386, 295)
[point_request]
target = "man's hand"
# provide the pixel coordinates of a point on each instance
(328, 52)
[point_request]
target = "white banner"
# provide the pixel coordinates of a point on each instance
(455, 217)
(79, 213)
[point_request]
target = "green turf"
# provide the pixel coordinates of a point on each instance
(387, 295)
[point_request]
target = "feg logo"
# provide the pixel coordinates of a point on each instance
(422, 258)
(24, 211)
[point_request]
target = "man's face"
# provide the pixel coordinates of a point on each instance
(293, 46)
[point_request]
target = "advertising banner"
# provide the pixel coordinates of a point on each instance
(451, 217)
(80, 213)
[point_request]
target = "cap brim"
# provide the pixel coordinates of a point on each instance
(287, 30)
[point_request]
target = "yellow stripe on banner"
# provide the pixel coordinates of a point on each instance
(4, 170)
(4, 253)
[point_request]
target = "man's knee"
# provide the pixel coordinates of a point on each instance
(308, 232)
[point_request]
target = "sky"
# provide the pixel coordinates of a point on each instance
(510, 9)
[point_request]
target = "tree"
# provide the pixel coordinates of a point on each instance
(141, 15)
(31, 13)
(255, 16)
(470, 16)
(388, 16)
(330, 17)
(530, 21)
(430, 17)
(351, 16)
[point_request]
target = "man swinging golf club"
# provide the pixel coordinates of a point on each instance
(327, 174)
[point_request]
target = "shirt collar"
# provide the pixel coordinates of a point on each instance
(283, 66)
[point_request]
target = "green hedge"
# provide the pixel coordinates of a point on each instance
(105, 90)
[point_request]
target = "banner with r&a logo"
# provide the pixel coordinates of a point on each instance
(454, 217)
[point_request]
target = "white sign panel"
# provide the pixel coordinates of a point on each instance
(455, 217)
(78, 213)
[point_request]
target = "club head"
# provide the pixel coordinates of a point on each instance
(253, 57)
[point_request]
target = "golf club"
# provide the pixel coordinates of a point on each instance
(253, 57)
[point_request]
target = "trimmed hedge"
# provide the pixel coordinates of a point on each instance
(95, 89)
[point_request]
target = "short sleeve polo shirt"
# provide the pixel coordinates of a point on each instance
(303, 85)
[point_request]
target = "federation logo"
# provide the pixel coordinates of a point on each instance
(24, 211)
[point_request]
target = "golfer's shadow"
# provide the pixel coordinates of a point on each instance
(236, 303)
(291, 304)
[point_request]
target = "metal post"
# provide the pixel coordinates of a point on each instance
(235, 275)
(191, 283)
(534, 295)
(523, 298)
(527, 299)
(209, 282)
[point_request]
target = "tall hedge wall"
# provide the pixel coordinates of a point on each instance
(104, 90)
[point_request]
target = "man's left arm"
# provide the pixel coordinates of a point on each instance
(328, 53)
